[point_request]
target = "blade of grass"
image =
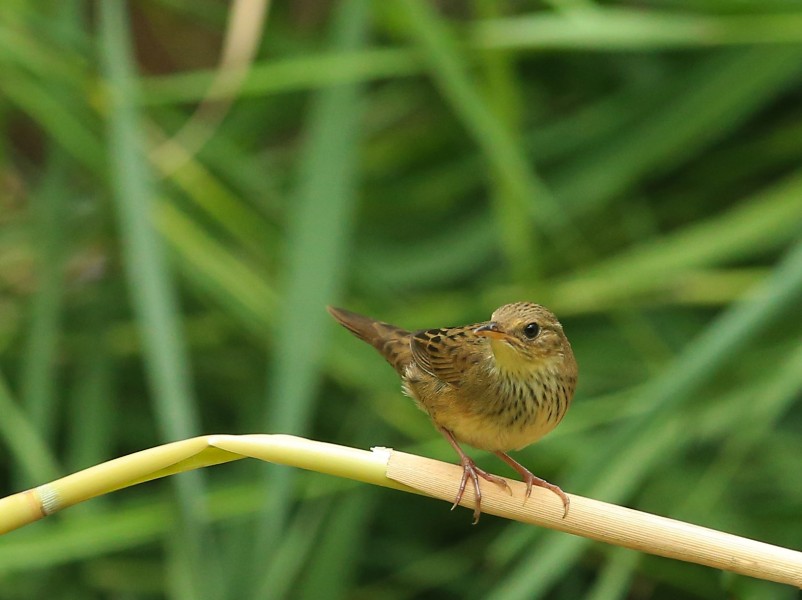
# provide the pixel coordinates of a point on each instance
(27, 446)
(522, 187)
(218, 203)
(72, 131)
(501, 94)
(91, 398)
(21, 50)
(763, 221)
(541, 31)
(445, 256)
(151, 287)
(715, 99)
(616, 578)
(238, 288)
(626, 29)
(152, 290)
(647, 130)
(762, 416)
(39, 373)
(332, 566)
(284, 570)
(290, 74)
(317, 239)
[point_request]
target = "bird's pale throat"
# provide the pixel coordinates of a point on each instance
(513, 361)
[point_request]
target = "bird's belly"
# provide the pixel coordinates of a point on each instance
(503, 419)
(494, 433)
(498, 428)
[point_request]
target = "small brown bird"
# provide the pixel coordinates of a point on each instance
(498, 386)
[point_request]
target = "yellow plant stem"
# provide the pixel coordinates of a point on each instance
(385, 467)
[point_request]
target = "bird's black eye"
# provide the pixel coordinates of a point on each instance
(531, 330)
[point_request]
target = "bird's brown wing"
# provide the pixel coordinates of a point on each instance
(445, 353)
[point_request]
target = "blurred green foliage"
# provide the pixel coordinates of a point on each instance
(635, 166)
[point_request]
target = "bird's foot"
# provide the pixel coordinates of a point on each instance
(532, 480)
(469, 469)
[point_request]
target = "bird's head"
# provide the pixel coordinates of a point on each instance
(525, 337)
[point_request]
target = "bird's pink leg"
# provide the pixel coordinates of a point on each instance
(531, 480)
(469, 469)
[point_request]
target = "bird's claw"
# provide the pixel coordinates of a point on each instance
(532, 480)
(469, 469)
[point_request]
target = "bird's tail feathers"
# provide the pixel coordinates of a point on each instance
(392, 342)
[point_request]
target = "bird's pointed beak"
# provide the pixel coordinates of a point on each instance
(491, 330)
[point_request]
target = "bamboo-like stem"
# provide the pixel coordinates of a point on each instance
(381, 466)
(606, 522)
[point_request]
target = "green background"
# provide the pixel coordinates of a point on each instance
(634, 166)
